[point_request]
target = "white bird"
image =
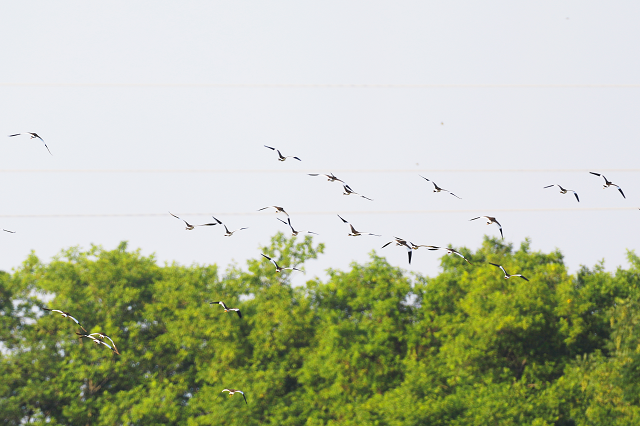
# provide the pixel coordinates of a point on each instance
(491, 220)
(98, 341)
(436, 188)
(278, 209)
(33, 136)
(448, 250)
(227, 232)
(279, 269)
(191, 227)
(66, 315)
(564, 191)
(232, 391)
(355, 233)
(349, 191)
(280, 156)
(507, 276)
(227, 309)
(103, 336)
(293, 231)
(608, 183)
(403, 243)
(330, 177)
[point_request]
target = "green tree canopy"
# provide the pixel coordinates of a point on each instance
(373, 345)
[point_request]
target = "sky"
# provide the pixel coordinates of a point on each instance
(151, 107)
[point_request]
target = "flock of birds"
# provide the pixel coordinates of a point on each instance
(99, 338)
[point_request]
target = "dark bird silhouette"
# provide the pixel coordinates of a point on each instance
(608, 183)
(491, 220)
(564, 191)
(507, 276)
(33, 136)
(280, 156)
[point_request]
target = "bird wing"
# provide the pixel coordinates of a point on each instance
(576, 194)
(296, 158)
(45, 145)
(245, 398)
(273, 149)
(453, 194)
(342, 219)
(424, 178)
(367, 198)
(548, 186)
(220, 223)
(77, 322)
(409, 252)
(17, 134)
(499, 266)
(11, 232)
(459, 254)
(475, 218)
(219, 303)
(594, 173)
(113, 343)
(271, 260)
(238, 311)
(521, 276)
(187, 223)
(353, 230)
(386, 244)
(263, 208)
(620, 189)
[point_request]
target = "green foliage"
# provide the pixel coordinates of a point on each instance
(370, 346)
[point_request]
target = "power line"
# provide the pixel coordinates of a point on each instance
(315, 171)
(310, 213)
(325, 86)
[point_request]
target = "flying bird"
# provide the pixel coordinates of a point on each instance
(190, 227)
(564, 191)
(293, 231)
(330, 177)
(608, 183)
(402, 243)
(491, 220)
(232, 391)
(280, 156)
(66, 315)
(227, 232)
(507, 276)
(436, 188)
(227, 309)
(449, 251)
(278, 269)
(11, 232)
(98, 341)
(278, 209)
(349, 191)
(33, 136)
(355, 233)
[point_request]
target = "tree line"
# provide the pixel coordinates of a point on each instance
(373, 345)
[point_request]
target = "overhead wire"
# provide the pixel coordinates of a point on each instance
(311, 213)
(315, 170)
(322, 85)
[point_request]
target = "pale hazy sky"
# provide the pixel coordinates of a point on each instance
(153, 106)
